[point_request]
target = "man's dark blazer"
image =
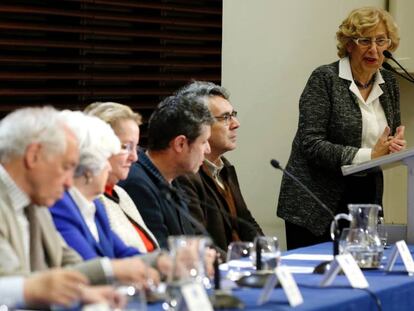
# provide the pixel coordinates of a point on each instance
(157, 201)
(209, 207)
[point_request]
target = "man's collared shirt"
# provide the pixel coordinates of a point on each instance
(214, 171)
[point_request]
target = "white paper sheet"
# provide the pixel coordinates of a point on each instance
(300, 269)
(316, 257)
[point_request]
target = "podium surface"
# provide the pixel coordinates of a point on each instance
(406, 158)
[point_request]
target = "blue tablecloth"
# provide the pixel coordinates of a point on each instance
(395, 290)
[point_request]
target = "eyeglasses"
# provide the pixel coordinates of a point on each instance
(128, 148)
(366, 42)
(227, 117)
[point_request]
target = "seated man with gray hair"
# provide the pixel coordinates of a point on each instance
(38, 155)
(214, 194)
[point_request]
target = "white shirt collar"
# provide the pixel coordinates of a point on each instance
(346, 73)
(87, 209)
(213, 168)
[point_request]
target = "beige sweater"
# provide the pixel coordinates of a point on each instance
(118, 215)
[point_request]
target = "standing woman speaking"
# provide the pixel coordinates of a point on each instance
(349, 112)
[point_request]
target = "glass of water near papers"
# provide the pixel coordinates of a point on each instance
(382, 232)
(270, 254)
(188, 254)
(135, 297)
(239, 259)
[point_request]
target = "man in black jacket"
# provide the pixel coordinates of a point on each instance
(178, 133)
(213, 193)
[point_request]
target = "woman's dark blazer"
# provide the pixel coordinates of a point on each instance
(328, 136)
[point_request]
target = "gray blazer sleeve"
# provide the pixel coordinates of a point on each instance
(318, 105)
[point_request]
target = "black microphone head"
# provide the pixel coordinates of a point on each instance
(387, 66)
(275, 163)
(387, 54)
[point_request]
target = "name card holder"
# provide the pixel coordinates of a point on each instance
(195, 297)
(351, 269)
(289, 286)
(96, 307)
(401, 248)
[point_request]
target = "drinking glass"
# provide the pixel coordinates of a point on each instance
(135, 297)
(382, 232)
(269, 252)
(4, 307)
(239, 259)
(188, 254)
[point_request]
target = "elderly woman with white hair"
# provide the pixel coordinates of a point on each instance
(79, 216)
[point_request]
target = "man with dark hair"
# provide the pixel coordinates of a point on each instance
(178, 135)
(213, 193)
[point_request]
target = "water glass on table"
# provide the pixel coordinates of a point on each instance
(134, 296)
(188, 255)
(239, 259)
(382, 233)
(269, 252)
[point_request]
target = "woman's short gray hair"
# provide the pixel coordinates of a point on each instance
(97, 141)
(25, 126)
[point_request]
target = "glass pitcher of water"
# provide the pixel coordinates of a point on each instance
(367, 249)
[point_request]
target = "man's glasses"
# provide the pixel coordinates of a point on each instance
(128, 148)
(366, 42)
(227, 117)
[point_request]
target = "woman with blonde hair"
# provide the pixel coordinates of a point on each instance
(124, 216)
(349, 112)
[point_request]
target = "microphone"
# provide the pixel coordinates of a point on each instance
(335, 234)
(219, 298)
(390, 68)
(230, 218)
(258, 278)
(387, 66)
(276, 165)
(196, 224)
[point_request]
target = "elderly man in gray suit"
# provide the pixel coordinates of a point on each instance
(38, 155)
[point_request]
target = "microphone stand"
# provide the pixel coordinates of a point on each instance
(335, 234)
(258, 278)
(388, 54)
(390, 68)
(219, 299)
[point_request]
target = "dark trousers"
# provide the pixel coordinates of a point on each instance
(363, 189)
(297, 236)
